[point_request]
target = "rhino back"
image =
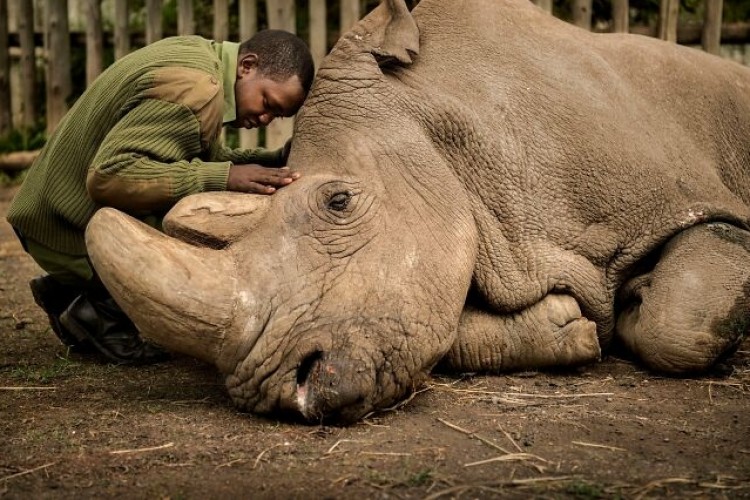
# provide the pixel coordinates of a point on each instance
(583, 152)
(554, 97)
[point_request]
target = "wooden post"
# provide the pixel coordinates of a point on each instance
(5, 114)
(711, 39)
(318, 31)
(621, 16)
(582, 14)
(94, 40)
(122, 29)
(349, 14)
(281, 15)
(545, 5)
(248, 27)
(669, 11)
(185, 17)
(154, 30)
(57, 45)
(221, 20)
(28, 63)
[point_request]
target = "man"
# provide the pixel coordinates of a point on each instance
(145, 134)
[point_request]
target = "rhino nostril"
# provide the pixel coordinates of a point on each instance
(306, 366)
(329, 387)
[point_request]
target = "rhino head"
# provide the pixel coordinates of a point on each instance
(334, 296)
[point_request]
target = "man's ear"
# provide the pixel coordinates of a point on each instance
(246, 63)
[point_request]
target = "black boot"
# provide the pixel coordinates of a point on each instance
(54, 297)
(100, 320)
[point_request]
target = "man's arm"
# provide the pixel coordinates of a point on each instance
(151, 159)
(258, 156)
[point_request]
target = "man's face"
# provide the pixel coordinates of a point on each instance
(260, 99)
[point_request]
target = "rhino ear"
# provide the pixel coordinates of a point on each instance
(394, 35)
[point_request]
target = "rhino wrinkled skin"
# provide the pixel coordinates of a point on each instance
(485, 187)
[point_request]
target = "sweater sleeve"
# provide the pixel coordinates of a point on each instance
(261, 156)
(151, 159)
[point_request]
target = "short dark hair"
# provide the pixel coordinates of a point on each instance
(281, 55)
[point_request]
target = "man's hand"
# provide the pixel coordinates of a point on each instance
(258, 179)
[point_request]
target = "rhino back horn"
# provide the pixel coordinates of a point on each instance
(215, 219)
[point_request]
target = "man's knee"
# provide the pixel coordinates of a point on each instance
(66, 269)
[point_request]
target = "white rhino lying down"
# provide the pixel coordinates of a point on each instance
(576, 187)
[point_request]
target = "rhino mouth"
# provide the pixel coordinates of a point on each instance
(321, 372)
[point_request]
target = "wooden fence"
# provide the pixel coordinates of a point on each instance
(55, 53)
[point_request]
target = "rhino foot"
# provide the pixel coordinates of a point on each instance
(551, 333)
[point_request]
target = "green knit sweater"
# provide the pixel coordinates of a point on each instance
(145, 134)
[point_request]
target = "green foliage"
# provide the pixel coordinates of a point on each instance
(5, 179)
(42, 374)
(420, 478)
(12, 178)
(23, 139)
(584, 490)
(736, 10)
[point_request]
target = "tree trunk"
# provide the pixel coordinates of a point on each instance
(57, 42)
(154, 30)
(221, 20)
(94, 40)
(582, 14)
(669, 11)
(712, 27)
(621, 16)
(122, 29)
(185, 17)
(349, 14)
(545, 5)
(28, 63)
(248, 27)
(5, 114)
(280, 16)
(318, 31)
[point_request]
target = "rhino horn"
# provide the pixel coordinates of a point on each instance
(393, 33)
(215, 219)
(178, 295)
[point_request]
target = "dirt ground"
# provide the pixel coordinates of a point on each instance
(70, 427)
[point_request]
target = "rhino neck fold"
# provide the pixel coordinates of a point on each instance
(179, 296)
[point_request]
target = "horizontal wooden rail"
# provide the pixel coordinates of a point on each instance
(689, 34)
(17, 160)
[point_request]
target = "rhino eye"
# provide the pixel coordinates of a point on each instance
(339, 201)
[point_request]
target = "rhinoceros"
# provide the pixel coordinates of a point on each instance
(485, 188)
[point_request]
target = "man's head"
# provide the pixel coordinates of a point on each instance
(274, 74)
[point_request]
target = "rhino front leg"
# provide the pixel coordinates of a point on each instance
(550, 333)
(693, 308)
